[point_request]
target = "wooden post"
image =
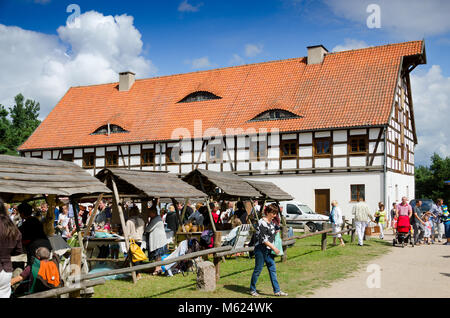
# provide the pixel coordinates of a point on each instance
(353, 231)
(93, 214)
(284, 232)
(210, 216)
(183, 214)
(64, 290)
(217, 243)
(75, 265)
(262, 208)
(324, 241)
(76, 210)
(49, 221)
(122, 221)
(145, 210)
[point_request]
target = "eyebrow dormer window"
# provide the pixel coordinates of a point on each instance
(199, 96)
(275, 114)
(108, 129)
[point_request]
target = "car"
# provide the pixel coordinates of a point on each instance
(426, 204)
(298, 214)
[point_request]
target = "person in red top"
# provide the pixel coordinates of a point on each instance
(214, 208)
(404, 208)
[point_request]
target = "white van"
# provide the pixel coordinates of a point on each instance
(298, 214)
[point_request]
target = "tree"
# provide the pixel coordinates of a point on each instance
(22, 123)
(430, 180)
(5, 126)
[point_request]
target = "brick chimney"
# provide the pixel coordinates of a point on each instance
(316, 54)
(126, 80)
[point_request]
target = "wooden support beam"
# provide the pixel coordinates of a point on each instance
(352, 239)
(311, 234)
(250, 249)
(116, 201)
(284, 231)
(211, 217)
(65, 290)
(75, 265)
(217, 243)
(342, 232)
(324, 242)
(49, 221)
(76, 211)
(159, 263)
(92, 217)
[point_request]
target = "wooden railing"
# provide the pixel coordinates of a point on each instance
(217, 252)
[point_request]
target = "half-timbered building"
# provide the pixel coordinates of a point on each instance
(328, 126)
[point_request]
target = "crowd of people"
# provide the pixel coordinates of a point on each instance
(22, 230)
(423, 225)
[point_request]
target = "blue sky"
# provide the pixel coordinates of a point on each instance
(178, 36)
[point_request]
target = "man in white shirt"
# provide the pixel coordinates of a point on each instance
(362, 214)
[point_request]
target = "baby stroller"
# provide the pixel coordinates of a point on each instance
(403, 234)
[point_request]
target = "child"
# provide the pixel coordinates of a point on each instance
(380, 216)
(427, 229)
(45, 271)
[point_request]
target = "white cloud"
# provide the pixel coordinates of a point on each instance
(413, 19)
(251, 50)
(236, 60)
(187, 7)
(200, 63)
(350, 44)
(43, 67)
(431, 96)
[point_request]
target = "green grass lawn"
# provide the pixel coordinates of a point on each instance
(306, 269)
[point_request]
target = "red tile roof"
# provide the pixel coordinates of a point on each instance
(349, 89)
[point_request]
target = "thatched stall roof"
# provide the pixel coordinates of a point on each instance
(270, 191)
(221, 185)
(148, 185)
(25, 178)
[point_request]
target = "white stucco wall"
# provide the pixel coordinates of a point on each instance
(302, 187)
(397, 186)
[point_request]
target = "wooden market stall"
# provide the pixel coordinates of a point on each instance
(270, 191)
(144, 186)
(222, 186)
(26, 179)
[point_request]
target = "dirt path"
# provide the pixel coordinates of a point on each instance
(421, 271)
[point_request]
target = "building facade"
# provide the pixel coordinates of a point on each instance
(329, 126)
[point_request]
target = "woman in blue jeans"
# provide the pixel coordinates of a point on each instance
(265, 234)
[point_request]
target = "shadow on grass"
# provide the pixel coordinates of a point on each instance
(237, 289)
(250, 269)
(191, 286)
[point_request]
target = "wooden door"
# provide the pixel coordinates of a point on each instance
(322, 201)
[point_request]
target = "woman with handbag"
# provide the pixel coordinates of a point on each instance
(336, 222)
(265, 233)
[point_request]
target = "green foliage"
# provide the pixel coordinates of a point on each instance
(21, 123)
(430, 180)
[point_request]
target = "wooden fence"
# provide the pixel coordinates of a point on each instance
(217, 252)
